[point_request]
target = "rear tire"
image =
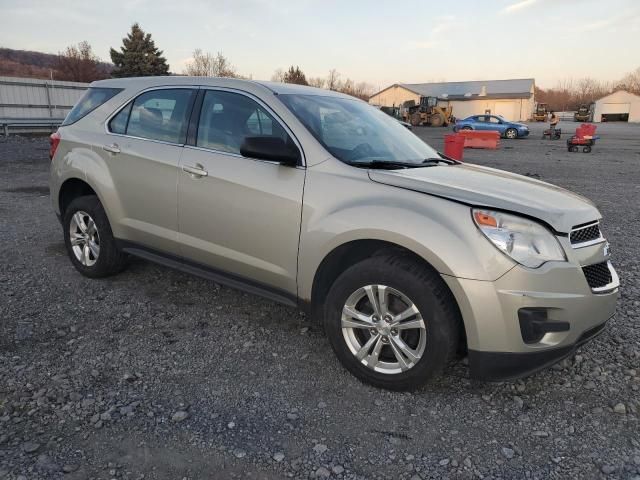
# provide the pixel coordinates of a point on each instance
(586, 149)
(89, 239)
(410, 287)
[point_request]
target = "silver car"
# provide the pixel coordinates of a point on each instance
(318, 200)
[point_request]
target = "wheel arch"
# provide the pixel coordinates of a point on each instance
(71, 189)
(352, 252)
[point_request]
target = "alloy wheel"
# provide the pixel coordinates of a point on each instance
(383, 329)
(84, 238)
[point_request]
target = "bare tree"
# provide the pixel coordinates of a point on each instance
(317, 82)
(631, 81)
(333, 79)
(278, 76)
(570, 94)
(208, 65)
(80, 64)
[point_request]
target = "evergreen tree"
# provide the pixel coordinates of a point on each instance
(138, 56)
(295, 75)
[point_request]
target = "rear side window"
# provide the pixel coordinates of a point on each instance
(118, 124)
(158, 115)
(92, 99)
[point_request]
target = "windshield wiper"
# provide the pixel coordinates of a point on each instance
(386, 164)
(436, 160)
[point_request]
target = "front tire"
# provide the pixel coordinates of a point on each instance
(511, 133)
(392, 322)
(89, 239)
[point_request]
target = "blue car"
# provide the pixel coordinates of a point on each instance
(506, 128)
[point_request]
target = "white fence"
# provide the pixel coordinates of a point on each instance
(25, 99)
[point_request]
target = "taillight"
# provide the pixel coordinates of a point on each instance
(54, 141)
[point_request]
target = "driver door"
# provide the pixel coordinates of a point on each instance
(496, 124)
(239, 216)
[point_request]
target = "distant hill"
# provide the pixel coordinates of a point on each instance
(26, 63)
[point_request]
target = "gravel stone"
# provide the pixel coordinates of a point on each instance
(179, 416)
(30, 447)
(337, 469)
(620, 408)
(320, 448)
(149, 342)
(322, 472)
(508, 452)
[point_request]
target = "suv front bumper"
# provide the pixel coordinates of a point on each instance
(499, 344)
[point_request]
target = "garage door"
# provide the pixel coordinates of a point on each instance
(615, 108)
(508, 110)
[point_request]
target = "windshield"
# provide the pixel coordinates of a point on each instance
(355, 132)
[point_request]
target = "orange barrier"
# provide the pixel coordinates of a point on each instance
(481, 138)
(454, 146)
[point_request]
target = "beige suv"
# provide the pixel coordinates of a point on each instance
(318, 200)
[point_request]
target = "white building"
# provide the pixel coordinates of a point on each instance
(618, 106)
(513, 99)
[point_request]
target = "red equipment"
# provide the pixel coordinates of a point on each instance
(585, 137)
(454, 146)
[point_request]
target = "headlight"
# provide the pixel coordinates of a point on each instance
(524, 240)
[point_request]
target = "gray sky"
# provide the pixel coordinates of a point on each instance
(380, 42)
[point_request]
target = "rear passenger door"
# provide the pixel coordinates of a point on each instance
(144, 143)
(239, 215)
(480, 122)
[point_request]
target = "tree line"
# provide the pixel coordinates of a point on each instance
(139, 56)
(569, 94)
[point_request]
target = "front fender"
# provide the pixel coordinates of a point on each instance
(439, 230)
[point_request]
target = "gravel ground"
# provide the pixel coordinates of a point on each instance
(157, 374)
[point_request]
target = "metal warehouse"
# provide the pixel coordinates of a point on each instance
(513, 99)
(620, 106)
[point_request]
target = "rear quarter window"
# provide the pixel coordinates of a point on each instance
(92, 99)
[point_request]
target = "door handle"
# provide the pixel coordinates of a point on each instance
(113, 148)
(197, 171)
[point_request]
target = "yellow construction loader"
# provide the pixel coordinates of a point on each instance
(427, 113)
(540, 115)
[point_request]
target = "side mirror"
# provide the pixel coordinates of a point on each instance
(270, 148)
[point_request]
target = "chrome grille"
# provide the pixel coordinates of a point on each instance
(598, 275)
(585, 234)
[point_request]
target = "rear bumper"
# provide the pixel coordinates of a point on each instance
(500, 366)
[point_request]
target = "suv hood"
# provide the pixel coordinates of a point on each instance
(488, 187)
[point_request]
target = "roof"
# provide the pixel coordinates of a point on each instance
(517, 88)
(620, 93)
(169, 80)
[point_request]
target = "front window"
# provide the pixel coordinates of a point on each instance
(357, 133)
(227, 118)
